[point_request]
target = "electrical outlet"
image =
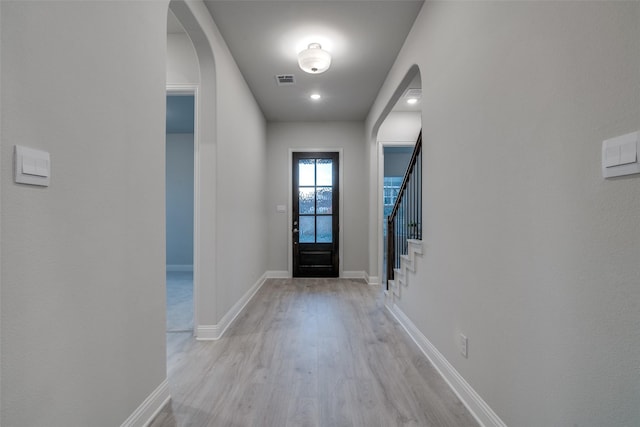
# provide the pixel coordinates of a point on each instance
(464, 346)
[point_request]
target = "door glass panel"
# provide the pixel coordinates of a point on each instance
(306, 172)
(307, 200)
(325, 229)
(307, 229)
(325, 200)
(324, 172)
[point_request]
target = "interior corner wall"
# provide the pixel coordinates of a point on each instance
(83, 340)
(528, 251)
(281, 136)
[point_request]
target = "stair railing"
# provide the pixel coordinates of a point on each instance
(405, 220)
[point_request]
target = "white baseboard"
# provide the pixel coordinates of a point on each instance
(208, 332)
(372, 280)
(277, 274)
(147, 411)
(179, 267)
(480, 410)
(215, 332)
(353, 275)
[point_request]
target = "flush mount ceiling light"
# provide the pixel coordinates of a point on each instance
(314, 60)
(315, 96)
(412, 101)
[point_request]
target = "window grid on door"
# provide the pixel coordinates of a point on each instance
(315, 196)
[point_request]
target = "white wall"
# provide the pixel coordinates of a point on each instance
(1, 174)
(241, 171)
(528, 250)
(401, 126)
(179, 193)
(241, 204)
(83, 339)
(322, 135)
(182, 61)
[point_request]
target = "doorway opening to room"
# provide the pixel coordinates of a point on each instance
(395, 163)
(396, 139)
(180, 170)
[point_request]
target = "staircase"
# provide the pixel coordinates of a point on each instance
(404, 225)
(407, 263)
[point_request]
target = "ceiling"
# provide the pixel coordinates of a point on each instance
(363, 37)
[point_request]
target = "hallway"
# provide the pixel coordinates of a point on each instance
(312, 352)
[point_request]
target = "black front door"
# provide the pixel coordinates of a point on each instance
(315, 215)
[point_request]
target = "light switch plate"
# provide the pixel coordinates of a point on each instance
(620, 155)
(31, 166)
(464, 346)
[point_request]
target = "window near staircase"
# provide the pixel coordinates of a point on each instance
(390, 191)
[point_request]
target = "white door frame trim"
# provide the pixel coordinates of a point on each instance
(340, 205)
(193, 89)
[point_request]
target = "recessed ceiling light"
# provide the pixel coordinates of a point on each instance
(315, 96)
(412, 101)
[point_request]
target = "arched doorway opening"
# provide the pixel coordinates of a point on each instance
(201, 84)
(396, 133)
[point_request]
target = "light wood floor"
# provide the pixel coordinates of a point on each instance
(308, 352)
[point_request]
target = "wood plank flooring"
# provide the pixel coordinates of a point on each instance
(308, 352)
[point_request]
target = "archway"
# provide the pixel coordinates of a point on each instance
(204, 249)
(398, 126)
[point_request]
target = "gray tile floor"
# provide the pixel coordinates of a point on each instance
(179, 301)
